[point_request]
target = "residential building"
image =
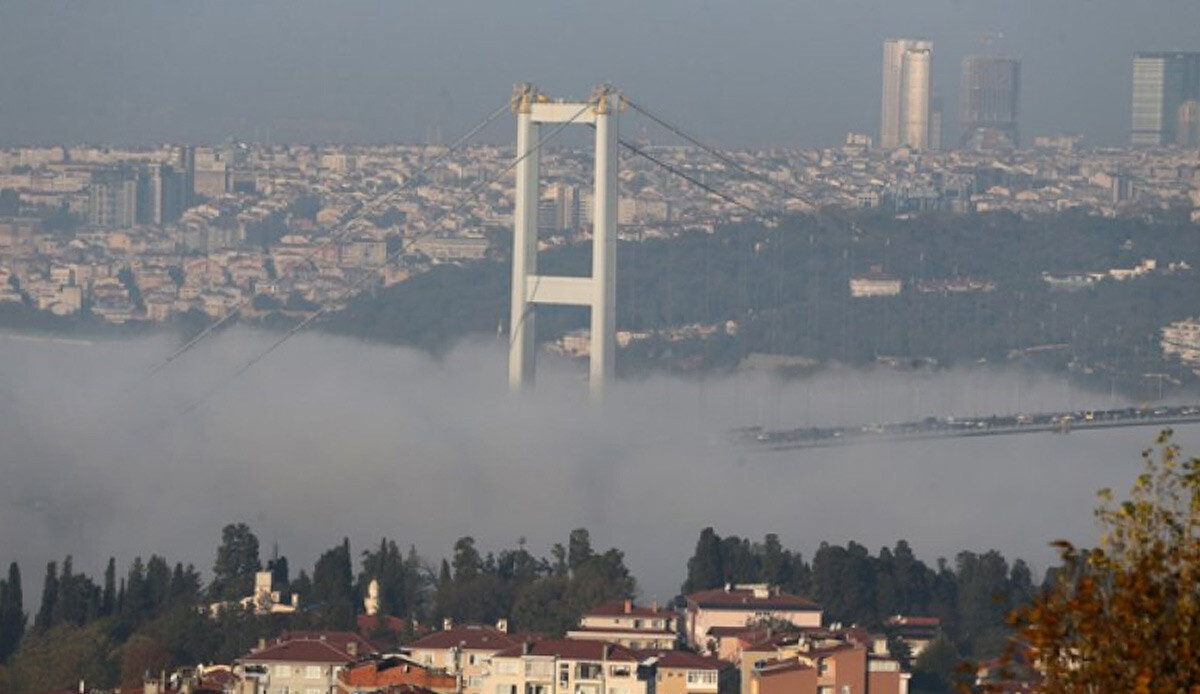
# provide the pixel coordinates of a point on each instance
(904, 117)
(464, 651)
(630, 625)
(565, 665)
(874, 283)
(1162, 82)
(302, 662)
(393, 671)
(1182, 339)
(916, 632)
(835, 662)
(743, 605)
(112, 199)
(684, 672)
(989, 99)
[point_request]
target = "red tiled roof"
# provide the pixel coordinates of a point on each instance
(684, 660)
(776, 667)
(312, 647)
(572, 650)
(744, 599)
(617, 609)
(469, 637)
(394, 672)
(658, 633)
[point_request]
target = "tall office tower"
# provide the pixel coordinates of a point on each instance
(1161, 83)
(112, 199)
(990, 96)
(160, 193)
(1187, 133)
(935, 122)
(904, 117)
(187, 171)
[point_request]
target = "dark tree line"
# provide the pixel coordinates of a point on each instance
(156, 615)
(970, 596)
(787, 288)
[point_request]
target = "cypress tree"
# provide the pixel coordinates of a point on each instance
(108, 603)
(45, 614)
(12, 615)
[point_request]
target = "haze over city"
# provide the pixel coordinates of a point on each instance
(543, 347)
(767, 73)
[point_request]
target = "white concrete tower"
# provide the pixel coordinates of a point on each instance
(904, 107)
(597, 292)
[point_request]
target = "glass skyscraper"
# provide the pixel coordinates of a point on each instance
(904, 116)
(1162, 82)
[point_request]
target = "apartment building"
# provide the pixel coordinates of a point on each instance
(630, 625)
(566, 666)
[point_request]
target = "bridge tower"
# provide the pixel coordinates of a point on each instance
(598, 291)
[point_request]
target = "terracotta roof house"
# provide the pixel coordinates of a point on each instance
(684, 672)
(628, 624)
(302, 662)
(567, 665)
(463, 650)
(741, 606)
(393, 671)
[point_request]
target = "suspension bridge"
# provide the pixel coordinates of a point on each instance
(540, 120)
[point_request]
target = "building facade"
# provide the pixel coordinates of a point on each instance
(742, 606)
(630, 625)
(989, 100)
(907, 72)
(567, 666)
(1162, 82)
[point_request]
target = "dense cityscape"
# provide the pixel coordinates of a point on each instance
(181, 238)
(149, 235)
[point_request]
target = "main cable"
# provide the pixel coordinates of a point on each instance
(346, 226)
(468, 199)
(722, 156)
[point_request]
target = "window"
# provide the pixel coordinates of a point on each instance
(532, 688)
(506, 667)
(564, 673)
(588, 671)
(506, 689)
(822, 667)
(619, 671)
(471, 659)
(475, 681)
(637, 624)
(701, 677)
(313, 672)
(281, 690)
(283, 671)
(539, 669)
(313, 690)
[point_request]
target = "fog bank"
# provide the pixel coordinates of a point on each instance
(330, 437)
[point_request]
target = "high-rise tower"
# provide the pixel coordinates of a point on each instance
(1162, 82)
(989, 99)
(904, 113)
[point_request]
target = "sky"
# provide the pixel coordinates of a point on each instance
(333, 438)
(755, 73)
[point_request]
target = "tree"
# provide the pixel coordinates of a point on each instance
(333, 586)
(12, 614)
(704, 568)
(237, 562)
(1125, 616)
(45, 614)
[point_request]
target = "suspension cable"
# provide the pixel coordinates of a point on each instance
(346, 227)
(352, 287)
(722, 156)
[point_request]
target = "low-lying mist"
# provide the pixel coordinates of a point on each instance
(330, 437)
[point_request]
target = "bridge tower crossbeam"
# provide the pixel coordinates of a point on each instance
(598, 291)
